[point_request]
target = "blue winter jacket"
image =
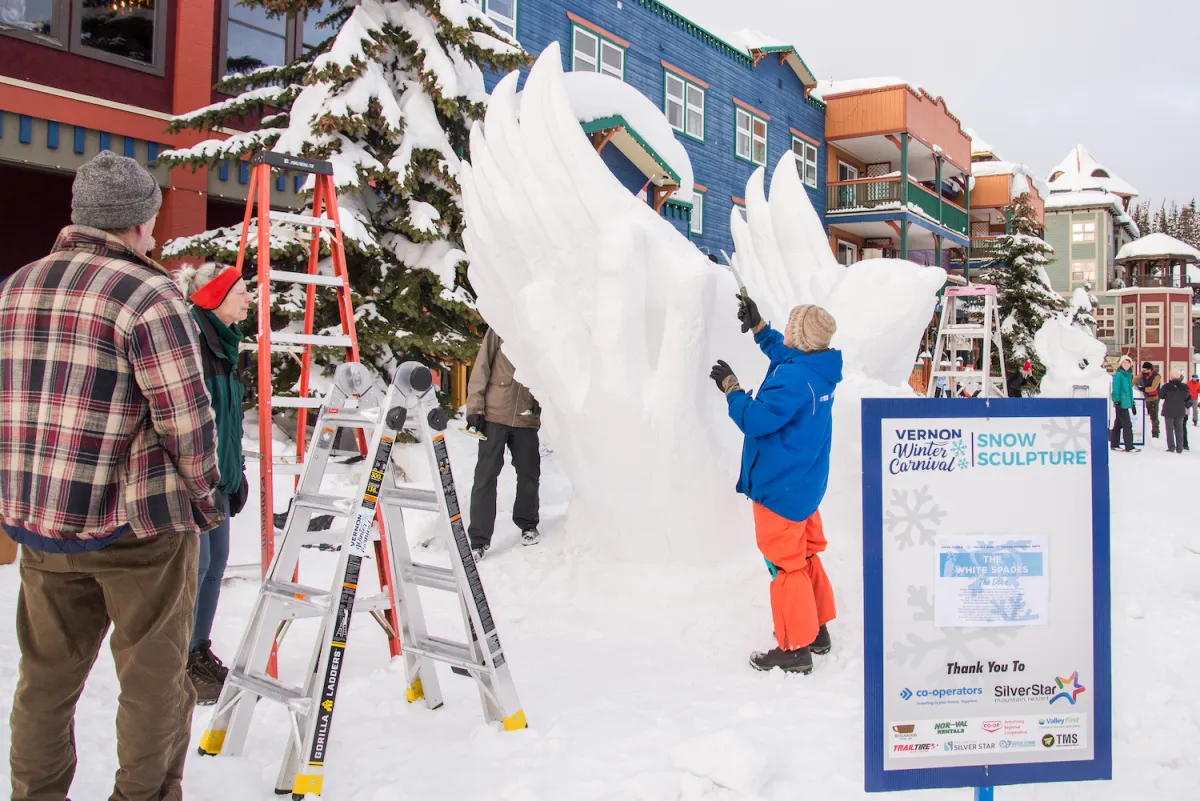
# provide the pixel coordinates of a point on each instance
(1122, 389)
(788, 428)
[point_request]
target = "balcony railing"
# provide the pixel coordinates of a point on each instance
(984, 247)
(878, 194)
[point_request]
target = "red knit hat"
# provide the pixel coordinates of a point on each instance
(1027, 366)
(212, 294)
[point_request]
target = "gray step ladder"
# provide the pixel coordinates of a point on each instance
(356, 403)
(955, 337)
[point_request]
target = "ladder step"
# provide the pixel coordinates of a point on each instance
(304, 220)
(325, 503)
(454, 653)
(960, 373)
(296, 594)
(286, 161)
(268, 688)
(295, 469)
(317, 340)
(967, 329)
(408, 497)
(349, 418)
(437, 578)
(286, 402)
(287, 276)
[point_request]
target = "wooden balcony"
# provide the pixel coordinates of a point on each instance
(882, 194)
(892, 110)
(995, 192)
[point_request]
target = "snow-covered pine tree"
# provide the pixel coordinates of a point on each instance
(389, 98)
(1141, 217)
(1026, 299)
(1081, 312)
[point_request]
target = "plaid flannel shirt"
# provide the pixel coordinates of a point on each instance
(104, 416)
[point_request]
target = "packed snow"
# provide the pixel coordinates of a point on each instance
(1023, 176)
(595, 96)
(1158, 244)
(1080, 170)
(979, 147)
(1073, 359)
(827, 88)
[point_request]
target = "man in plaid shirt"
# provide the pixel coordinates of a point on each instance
(107, 468)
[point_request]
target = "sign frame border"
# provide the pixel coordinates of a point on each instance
(874, 412)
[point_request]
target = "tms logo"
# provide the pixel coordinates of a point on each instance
(906, 694)
(1070, 688)
(1051, 740)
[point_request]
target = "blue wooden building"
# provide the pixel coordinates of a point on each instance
(735, 103)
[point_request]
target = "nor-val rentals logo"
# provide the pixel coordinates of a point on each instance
(907, 694)
(1070, 688)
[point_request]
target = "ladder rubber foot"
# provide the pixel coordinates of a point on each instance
(515, 721)
(415, 692)
(283, 791)
(211, 743)
(460, 671)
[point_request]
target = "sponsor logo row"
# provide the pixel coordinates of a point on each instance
(1064, 691)
(1060, 741)
(965, 735)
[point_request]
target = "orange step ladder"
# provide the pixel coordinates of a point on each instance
(323, 217)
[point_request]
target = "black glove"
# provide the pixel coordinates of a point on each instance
(1133, 408)
(237, 501)
(475, 422)
(723, 375)
(536, 408)
(748, 313)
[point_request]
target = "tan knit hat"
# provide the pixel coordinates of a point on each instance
(809, 328)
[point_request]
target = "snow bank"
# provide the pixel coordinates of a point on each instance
(726, 759)
(1063, 348)
(1158, 245)
(595, 96)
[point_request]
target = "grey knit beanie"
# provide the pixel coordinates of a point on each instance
(112, 192)
(809, 328)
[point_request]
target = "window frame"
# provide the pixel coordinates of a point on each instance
(66, 34)
(57, 38)
(751, 117)
(697, 216)
(497, 20)
(851, 248)
(1106, 322)
(849, 168)
(682, 101)
(1080, 234)
(1186, 323)
(601, 41)
(1086, 267)
(293, 39)
(1146, 327)
(803, 163)
(1129, 324)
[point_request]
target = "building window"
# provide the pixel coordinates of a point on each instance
(503, 14)
(1152, 325)
(1083, 232)
(1129, 324)
(1180, 320)
(806, 160)
(253, 40)
(847, 253)
(1083, 271)
(751, 137)
(132, 33)
(591, 53)
(1106, 322)
(685, 106)
(697, 213)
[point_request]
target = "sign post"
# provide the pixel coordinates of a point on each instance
(986, 593)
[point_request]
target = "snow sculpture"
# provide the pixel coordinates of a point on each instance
(1073, 358)
(613, 320)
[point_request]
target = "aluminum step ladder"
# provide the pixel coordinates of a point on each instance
(955, 336)
(356, 403)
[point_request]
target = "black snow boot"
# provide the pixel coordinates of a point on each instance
(208, 661)
(823, 644)
(208, 689)
(797, 661)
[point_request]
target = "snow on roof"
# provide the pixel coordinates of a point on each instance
(595, 96)
(981, 168)
(1158, 245)
(1081, 171)
(751, 41)
(1091, 199)
(979, 146)
(826, 89)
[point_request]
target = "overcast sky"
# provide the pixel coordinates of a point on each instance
(1032, 77)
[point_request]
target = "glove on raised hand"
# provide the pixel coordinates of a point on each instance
(748, 313)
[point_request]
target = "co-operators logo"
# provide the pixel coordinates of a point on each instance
(907, 693)
(1070, 688)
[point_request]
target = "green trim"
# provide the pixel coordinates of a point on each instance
(694, 30)
(617, 121)
(703, 111)
(791, 49)
(599, 53)
(766, 137)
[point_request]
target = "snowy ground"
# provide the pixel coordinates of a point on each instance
(635, 682)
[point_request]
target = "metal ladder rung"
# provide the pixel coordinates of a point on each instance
(291, 593)
(295, 468)
(454, 653)
(437, 578)
(959, 373)
(316, 340)
(268, 688)
(349, 418)
(287, 276)
(304, 220)
(286, 402)
(332, 504)
(411, 498)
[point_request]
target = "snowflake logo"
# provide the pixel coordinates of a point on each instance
(963, 464)
(906, 517)
(951, 644)
(1068, 433)
(959, 449)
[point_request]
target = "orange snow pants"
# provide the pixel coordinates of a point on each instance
(801, 598)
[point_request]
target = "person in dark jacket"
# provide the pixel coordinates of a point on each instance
(1018, 381)
(785, 470)
(1149, 383)
(506, 414)
(1175, 402)
(219, 302)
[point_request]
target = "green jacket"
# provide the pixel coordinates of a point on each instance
(1122, 389)
(219, 354)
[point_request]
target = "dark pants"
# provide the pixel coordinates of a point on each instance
(1123, 425)
(1152, 410)
(146, 589)
(523, 444)
(1176, 433)
(214, 556)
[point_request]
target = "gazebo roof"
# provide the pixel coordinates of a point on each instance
(1157, 247)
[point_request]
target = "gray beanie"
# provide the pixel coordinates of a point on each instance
(112, 192)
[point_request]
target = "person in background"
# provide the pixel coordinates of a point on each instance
(108, 466)
(506, 414)
(1175, 402)
(941, 384)
(1149, 383)
(1122, 398)
(1018, 381)
(1194, 391)
(785, 471)
(219, 302)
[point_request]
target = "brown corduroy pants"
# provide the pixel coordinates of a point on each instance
(147, 589)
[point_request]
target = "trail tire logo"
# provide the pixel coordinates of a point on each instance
(913, 747)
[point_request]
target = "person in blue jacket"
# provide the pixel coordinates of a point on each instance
(785, 470)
